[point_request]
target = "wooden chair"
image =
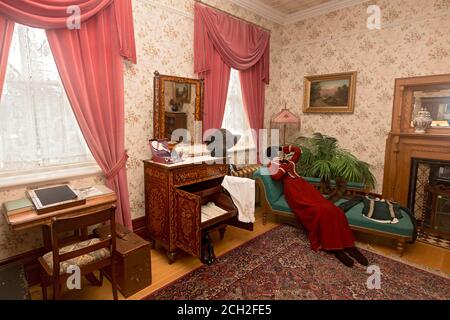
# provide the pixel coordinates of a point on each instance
(89, 255)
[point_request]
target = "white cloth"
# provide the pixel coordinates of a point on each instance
(242, 191)
(211, 211)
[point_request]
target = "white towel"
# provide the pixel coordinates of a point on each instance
(242, 191)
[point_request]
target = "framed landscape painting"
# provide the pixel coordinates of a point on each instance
(331, 93)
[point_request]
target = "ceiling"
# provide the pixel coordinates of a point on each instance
(292, 6)
(291, 11)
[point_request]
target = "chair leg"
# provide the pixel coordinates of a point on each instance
(101, 278)
(44, 285)
(44, 292)
(113, 277)
(56, 289)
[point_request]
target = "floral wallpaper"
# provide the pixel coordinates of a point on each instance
(164, 32)
(413, 41)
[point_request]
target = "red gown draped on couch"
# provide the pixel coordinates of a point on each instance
(327, 225)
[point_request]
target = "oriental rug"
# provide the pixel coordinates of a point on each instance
(280, 265)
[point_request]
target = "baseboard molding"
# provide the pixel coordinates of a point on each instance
(31, 264)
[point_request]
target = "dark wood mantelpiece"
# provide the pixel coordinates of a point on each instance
(400, 151)
(403, 144)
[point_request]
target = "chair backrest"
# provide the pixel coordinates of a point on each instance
(74, 223)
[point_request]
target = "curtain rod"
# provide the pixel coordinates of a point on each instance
(232, 15)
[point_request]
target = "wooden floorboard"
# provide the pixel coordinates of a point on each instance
(421, 254)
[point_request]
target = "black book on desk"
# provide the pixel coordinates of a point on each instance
(55, 198)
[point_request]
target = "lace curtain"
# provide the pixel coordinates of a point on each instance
(235, 119)
(37, 125)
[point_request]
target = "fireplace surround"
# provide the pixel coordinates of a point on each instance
(429, 196)
(408, 152)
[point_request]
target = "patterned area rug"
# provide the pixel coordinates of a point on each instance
(280, 265)
(433, 240)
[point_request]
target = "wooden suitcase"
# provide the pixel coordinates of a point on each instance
(133, 262)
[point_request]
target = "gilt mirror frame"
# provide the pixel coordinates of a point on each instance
(159, 107)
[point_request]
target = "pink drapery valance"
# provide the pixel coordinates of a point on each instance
(240, 44)
(222, 42)
(52, 14)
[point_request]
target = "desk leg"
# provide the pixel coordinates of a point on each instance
(47, 237)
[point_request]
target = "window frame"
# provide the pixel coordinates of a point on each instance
(240, 146)
(47, 173)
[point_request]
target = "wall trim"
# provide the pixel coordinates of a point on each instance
(262, 9)
(320, 10)
(285, 19)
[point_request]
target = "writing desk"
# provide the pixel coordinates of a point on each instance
(30, 218)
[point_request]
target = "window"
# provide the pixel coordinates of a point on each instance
(235, 118)
(37, 125)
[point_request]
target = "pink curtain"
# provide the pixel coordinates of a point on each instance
(216, 92)
(93, 79)
(6, 33)
(52, 14)
(253, 95)
(90, 65)
(124, 18)
(222, 42)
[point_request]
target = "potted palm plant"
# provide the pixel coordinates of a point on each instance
(323, 158)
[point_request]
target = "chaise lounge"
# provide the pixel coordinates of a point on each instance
(273, 202)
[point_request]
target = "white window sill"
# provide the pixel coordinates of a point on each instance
(48, 175)
(241, 149)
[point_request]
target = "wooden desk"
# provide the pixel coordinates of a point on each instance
(29, 219)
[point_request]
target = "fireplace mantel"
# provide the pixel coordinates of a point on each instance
(400, 151)
(403, 144)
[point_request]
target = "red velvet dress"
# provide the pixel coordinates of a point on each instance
(327, 225)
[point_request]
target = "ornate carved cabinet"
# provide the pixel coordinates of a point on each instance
(174, 195)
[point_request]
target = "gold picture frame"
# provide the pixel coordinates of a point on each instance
(330, 93)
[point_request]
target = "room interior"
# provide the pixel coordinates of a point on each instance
(117, 104)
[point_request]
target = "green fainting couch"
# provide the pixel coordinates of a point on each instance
(273, 202)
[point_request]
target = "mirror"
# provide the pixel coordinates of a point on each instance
(177, 105)
(436, 102)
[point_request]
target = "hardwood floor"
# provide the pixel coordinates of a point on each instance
(420, 254)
